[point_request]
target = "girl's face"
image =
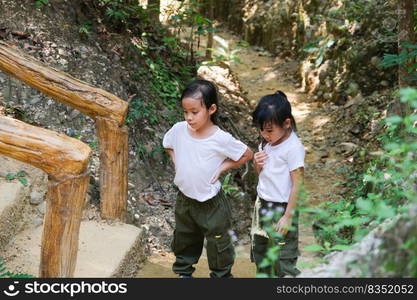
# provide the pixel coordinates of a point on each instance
(196, 113)
(275, 134)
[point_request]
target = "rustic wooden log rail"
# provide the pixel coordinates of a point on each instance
(108, 111)
(65, 160)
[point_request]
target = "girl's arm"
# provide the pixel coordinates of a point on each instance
(231, 164)
(284, 222)
(171, 154)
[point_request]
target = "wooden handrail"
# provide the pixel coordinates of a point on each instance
(56, 154)
(61, 86)
(65, 160)
(108, 111)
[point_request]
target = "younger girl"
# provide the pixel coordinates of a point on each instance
(201, 152)
(280, 165)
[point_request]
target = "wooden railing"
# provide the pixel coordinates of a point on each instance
(65, 160)
(108, 111)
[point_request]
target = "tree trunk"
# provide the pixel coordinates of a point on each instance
(209, 48)
(405, 34)
(113, 144)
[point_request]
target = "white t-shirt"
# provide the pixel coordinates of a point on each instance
(197, 160)
(274, 179)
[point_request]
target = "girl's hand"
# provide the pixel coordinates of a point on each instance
(283, 225)
(219, 172)
(216, 177)
(260, 158)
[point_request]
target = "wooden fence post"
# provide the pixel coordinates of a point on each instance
(113, 144)
(65, 160)
(96, 103)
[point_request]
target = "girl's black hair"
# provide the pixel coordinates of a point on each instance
(273, 108)
(204, 90)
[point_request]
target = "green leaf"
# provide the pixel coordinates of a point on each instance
(340, 247)
(364, 205)
(314, 247)
(10, 176)
(23, 181)
(394, 120)
(264, 263)
(221, 41)
(21, 174)
(262, 275)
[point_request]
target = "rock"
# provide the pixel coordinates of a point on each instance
(41, 208)
(36, 198)
(352, 89)
(347, 148)
(74, 113)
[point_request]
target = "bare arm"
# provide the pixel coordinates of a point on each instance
(231, 164)
(297, 180)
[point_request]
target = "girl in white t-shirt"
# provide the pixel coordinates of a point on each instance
(201, 152)
(280, 165)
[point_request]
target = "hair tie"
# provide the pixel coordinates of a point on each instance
(281, 93)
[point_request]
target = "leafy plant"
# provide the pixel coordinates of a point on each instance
(320, 47)
(140, 109)
(228, 187)
(406, 59)
(41, 3)
(85, 30)
(21, 176)
(120, 12)
(384, 189)
(225, 53)
(4, 273)
(188, 20)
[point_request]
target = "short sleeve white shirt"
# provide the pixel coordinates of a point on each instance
(274, 179)
(197, 160)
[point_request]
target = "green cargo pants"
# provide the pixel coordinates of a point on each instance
(288, 253)
(198, 220)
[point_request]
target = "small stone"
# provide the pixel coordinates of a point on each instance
(41, 208)
(35, 198)
(74, 114)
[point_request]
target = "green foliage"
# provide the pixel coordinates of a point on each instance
(406, 59)
(189, 18)
(384, 189)
(228, 188)
(269, 218)
(121, 13)
(85, 30)
(41, 3)
(21, 176)
(93, 145)
(226, 53)
(4, 273)
(139, 109)
(356, 10)
(165, 83)
(319, 46)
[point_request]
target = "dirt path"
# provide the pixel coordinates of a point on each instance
(260, 74)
